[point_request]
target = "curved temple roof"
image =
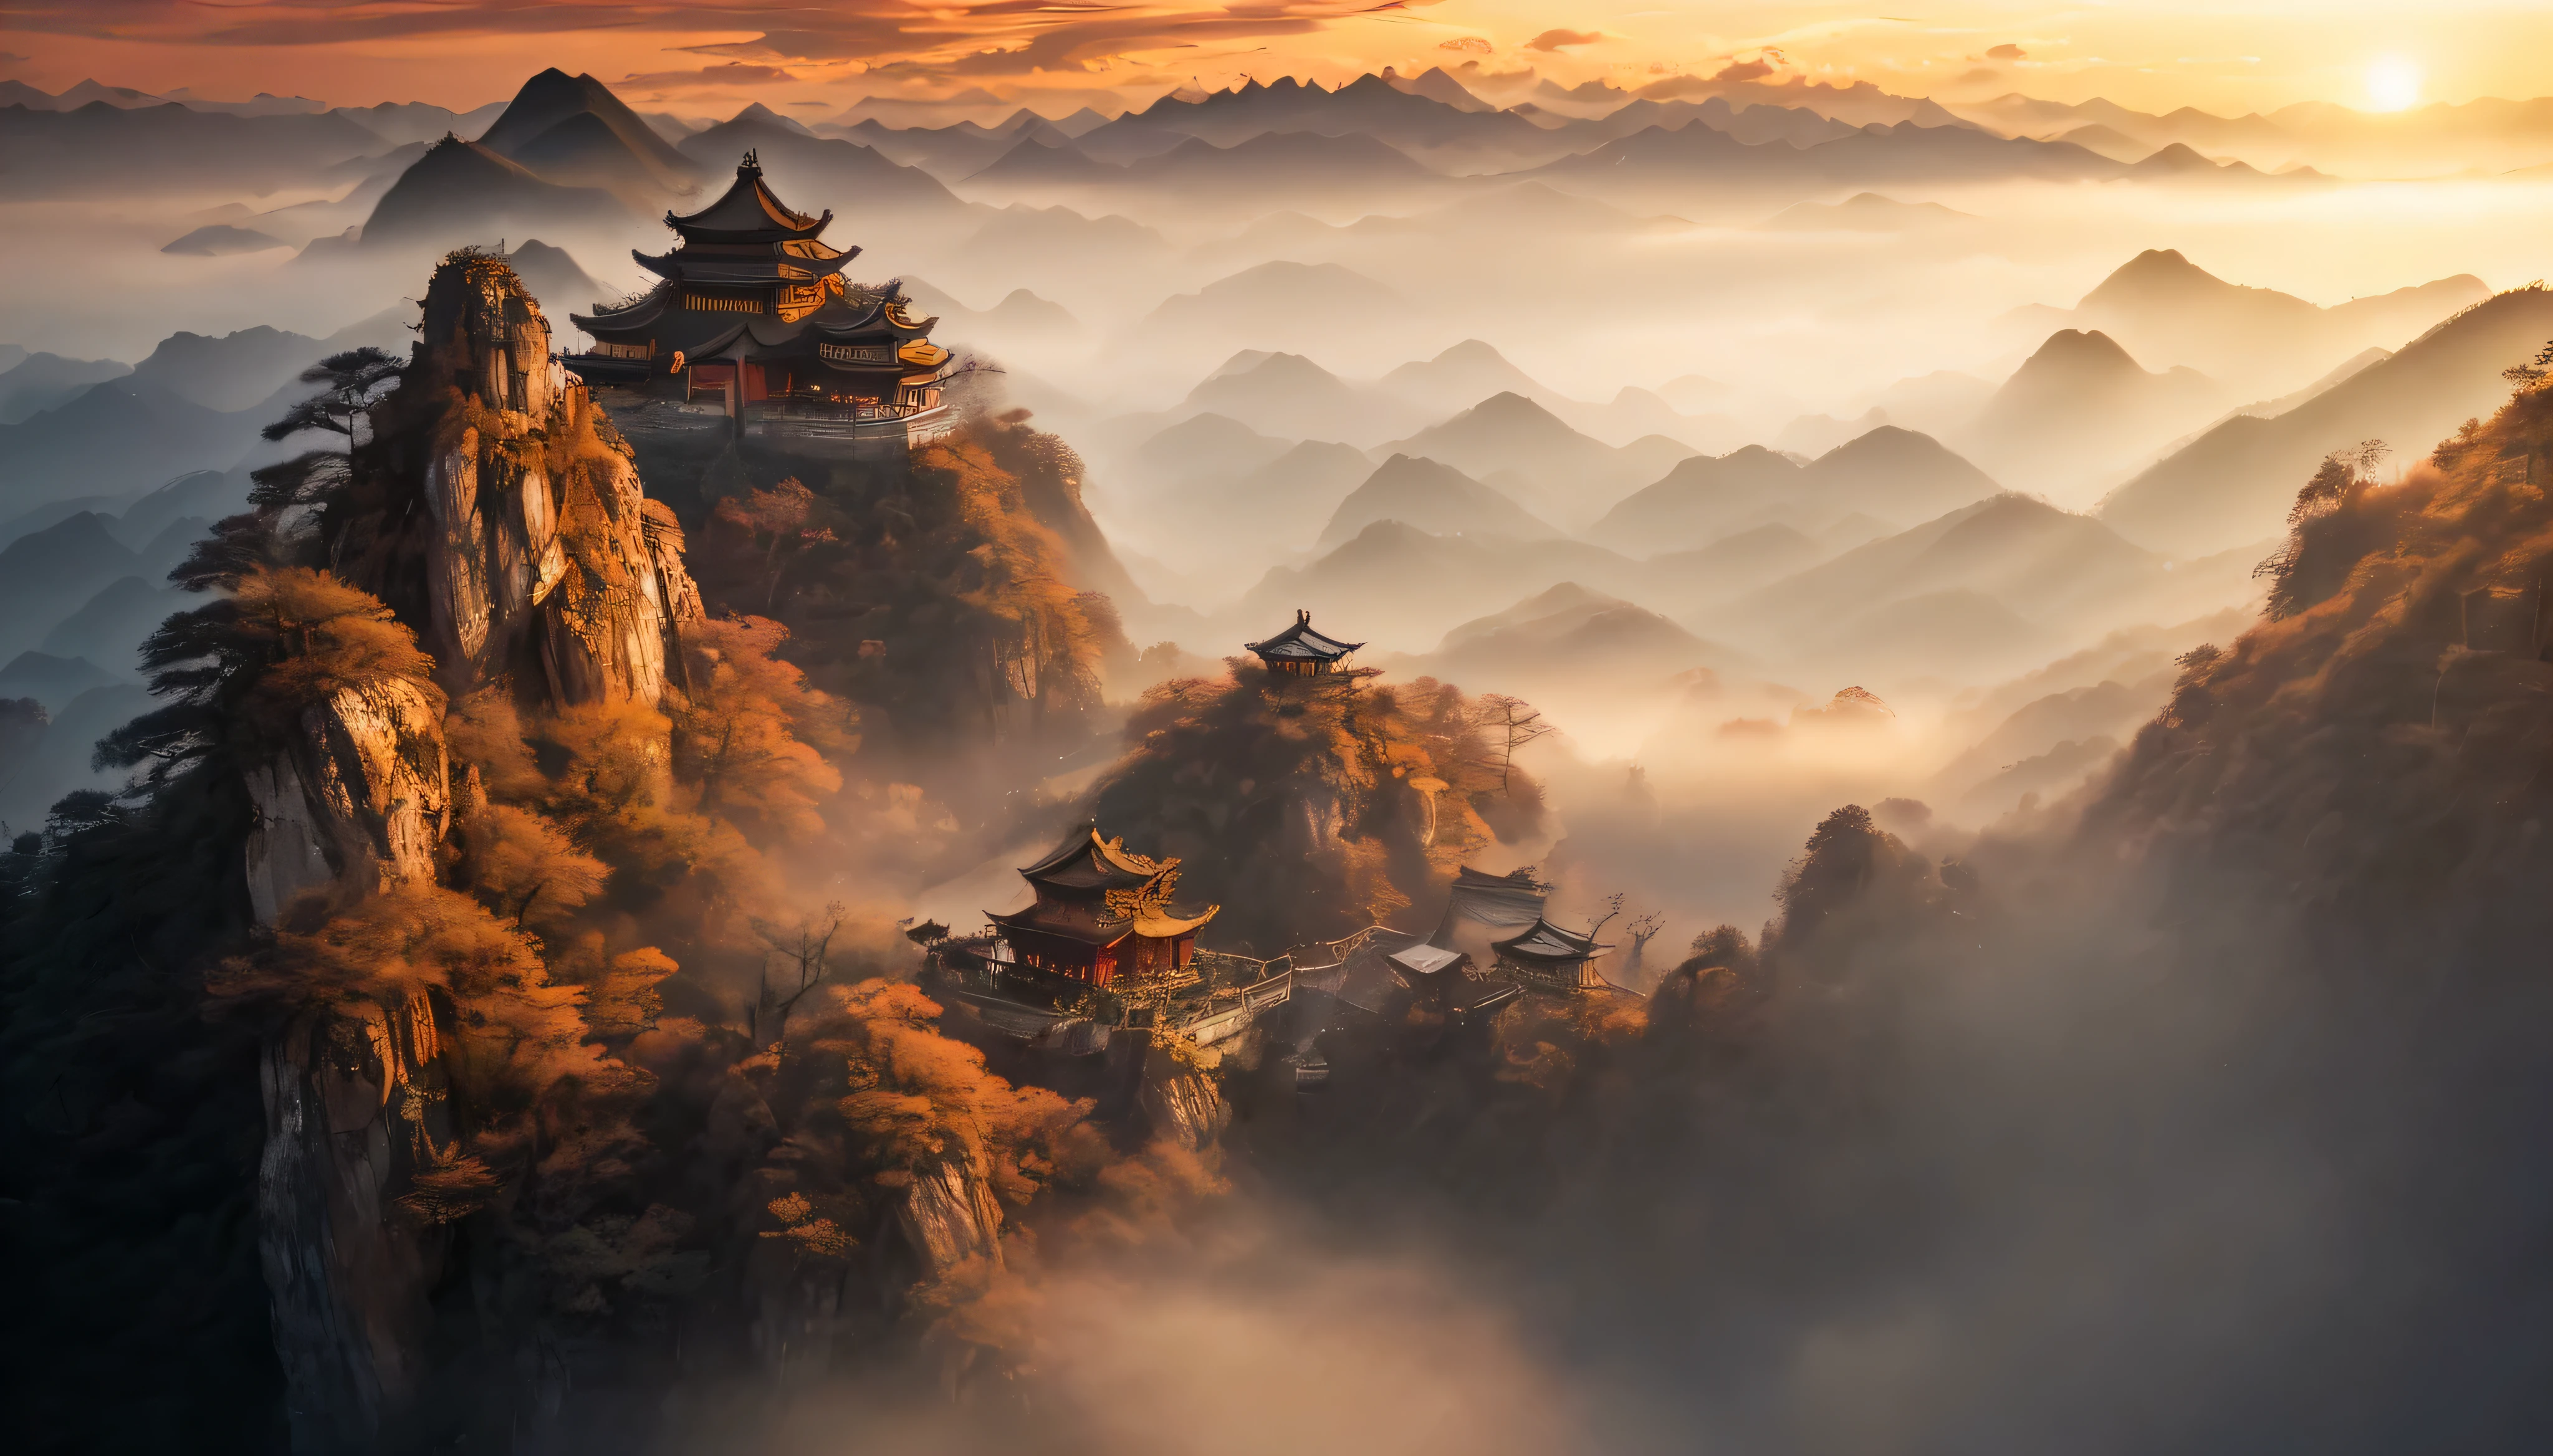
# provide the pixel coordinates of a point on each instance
(747, 212)
(1300, 643)
(1543, 941)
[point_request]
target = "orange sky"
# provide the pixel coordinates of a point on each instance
(705, 56)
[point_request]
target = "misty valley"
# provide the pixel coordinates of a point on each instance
(1441, 763)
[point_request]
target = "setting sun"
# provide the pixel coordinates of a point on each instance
(2394, 82)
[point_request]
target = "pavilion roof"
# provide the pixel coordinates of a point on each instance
(1300, 643)
(1543, 941)
(797, 261)
(1086, 862)
(747, 212)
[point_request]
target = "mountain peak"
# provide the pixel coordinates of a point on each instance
(2080, 351)
(2156, 276)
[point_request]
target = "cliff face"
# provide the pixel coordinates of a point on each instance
(499, 515)
(355, 1100)
(533, 554)
(362, 796)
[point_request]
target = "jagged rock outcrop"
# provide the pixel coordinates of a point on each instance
(500, 516)
(363, 795)
(355, 1102)
(1178, 1098)
(948, 1216)
(541, 558)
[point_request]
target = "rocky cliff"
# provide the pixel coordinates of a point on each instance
(498, 515)
(360, 796)
(499, 512)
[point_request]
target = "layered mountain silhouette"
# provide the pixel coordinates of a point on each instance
(109, 626)
(1559, 475)
(48, 575)
(1417, 585)
(2167, 310)
(814, 171)
(1289, 395)
(102, 148)
(115, 438)
(1890, 473)
(1448, 134)
(1569, 643)
(462, 193)
(50, 680)
(2081, 410)
(573, 131)
(1461, 375)
(1982, 590)
(231, 372)
(1433, 496)
(2233, 484)
(1866, 212)
(555, 279)
(220, 240)
(1249, 519)
(41, 382)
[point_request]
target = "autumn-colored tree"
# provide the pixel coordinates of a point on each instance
(522, 864)
(243, 668)
(1307, 807)
(778, 520)
(743, 731)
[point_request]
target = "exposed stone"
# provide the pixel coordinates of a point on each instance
(363, 795)
(544, 557)
(354, 1104)
(948, 1216)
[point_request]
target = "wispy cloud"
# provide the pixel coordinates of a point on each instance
(950, 37)
(1553, 40)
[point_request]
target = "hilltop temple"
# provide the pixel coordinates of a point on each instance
(1300, 651)
(756, 332)
(1103, 915)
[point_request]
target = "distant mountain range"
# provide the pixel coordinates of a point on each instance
(1433, 496)
(2167, 310)
(1529, 454)
(1567, 644)
(2233, 484)
(1889, 473)
(2081, 412)
(460, 193)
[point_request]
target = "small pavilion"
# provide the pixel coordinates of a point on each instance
(1300, 651)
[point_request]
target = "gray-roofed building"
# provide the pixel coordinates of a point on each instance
(1301, 651)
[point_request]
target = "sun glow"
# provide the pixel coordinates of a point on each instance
(2394, 82)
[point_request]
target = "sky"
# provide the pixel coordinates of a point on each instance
(2223, 55)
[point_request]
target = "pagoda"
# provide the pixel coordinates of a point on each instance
(1103, 915)
(1300, 651)
(755, 330)
(1548, 958)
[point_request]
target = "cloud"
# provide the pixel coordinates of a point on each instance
(732, 74)
(2006, 51)
(1745, 70)
(1550, 41)
(943, 36)
(12, 58)
(1470, 45)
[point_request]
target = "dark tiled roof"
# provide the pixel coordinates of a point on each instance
(746, 213)
(1543, 941)
(1299, 643)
